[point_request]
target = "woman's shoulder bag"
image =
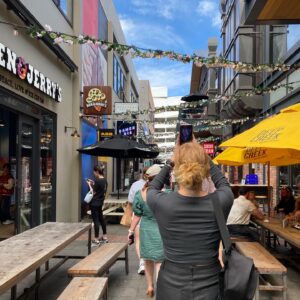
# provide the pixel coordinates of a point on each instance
(239, 277)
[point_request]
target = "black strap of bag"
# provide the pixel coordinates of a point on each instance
(222, 225)
(232, 287)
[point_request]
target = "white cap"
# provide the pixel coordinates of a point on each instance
(153, 170)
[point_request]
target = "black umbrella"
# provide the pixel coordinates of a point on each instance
(194, 97)
(120, 147)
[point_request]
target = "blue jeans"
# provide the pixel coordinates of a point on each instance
(5, 208)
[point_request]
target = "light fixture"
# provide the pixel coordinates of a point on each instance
(74, 133)
(2, 124)
(16, 32)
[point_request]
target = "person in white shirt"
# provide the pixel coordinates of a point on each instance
(137, 186)
(239, 217)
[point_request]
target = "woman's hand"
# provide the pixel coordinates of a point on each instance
(130, 237)
(220, 257)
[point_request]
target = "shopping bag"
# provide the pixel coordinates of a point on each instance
(126, 219)
(88, 197)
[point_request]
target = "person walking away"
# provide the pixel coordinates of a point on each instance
(137, 186)
(188, 225)
(151, 246)
(239, 217)
(7, 184)
(99, 187)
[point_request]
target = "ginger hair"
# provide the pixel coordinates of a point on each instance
(191, 165)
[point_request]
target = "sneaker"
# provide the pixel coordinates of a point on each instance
(95, 243)
(141, 270)
(8, 222)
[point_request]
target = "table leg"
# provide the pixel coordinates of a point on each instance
(284, 292)
(37, 280)
(263, 236)
(90, 241)
(126, 262)
(269, 238)
(275, 241)
(257, 290)
(47, 265)
(13, 293)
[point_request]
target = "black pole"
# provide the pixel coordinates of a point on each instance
(118, 175)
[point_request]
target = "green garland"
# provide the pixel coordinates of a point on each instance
(134, 51)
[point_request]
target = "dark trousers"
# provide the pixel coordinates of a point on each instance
(5, 208)
(183, 282)
(97, 216)
(243, 231)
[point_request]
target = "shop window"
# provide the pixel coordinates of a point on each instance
(47, 172)
(118, 79)
(66, 8)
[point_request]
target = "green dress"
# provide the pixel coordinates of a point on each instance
(151, 246)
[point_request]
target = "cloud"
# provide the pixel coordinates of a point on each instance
(176, 76)
(209, 9)
(150, 35)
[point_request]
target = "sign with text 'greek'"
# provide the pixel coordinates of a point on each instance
(26, 72)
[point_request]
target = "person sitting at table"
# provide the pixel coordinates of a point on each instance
(295, 215)
(251, 197)
(239, 217)
(287, 201)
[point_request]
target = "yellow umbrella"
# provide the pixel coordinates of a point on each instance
(292, 108)
(276, 157)
(279, 132)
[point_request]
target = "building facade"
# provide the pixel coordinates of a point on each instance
(165, 122)
(39, 110)
(259, 32)
(106, 68)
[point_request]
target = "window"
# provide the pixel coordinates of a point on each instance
(66, 8)
(47, 169)
(293, 35)
(118, 79)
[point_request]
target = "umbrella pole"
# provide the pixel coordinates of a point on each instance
(269, 189)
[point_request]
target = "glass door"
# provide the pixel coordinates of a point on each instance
(27, 174)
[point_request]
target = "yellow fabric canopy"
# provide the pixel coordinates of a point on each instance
(292, 108)
(278, 132)
(239, 156)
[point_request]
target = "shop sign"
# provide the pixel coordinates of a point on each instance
(97, 100)
(123, 108)
(26, 72)
(104, 134)
(209, 148)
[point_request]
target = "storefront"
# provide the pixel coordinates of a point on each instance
(28, 144)
(35, 113)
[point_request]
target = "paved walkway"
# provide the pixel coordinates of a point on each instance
(122, 286)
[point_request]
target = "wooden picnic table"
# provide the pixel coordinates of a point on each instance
(112, 206)
(289, 234)
(28, 251)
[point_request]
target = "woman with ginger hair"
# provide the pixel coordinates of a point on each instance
(188, 225)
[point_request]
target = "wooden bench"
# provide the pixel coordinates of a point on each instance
(99, 262)
(265, 263)
(85, 288)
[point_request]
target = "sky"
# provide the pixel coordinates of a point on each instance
(182, 26)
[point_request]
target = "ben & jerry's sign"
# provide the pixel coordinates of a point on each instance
(26, 72)
(97, 100)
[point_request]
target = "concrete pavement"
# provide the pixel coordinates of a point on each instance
(122, 286)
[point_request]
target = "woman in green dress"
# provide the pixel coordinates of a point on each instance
(151, 246)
